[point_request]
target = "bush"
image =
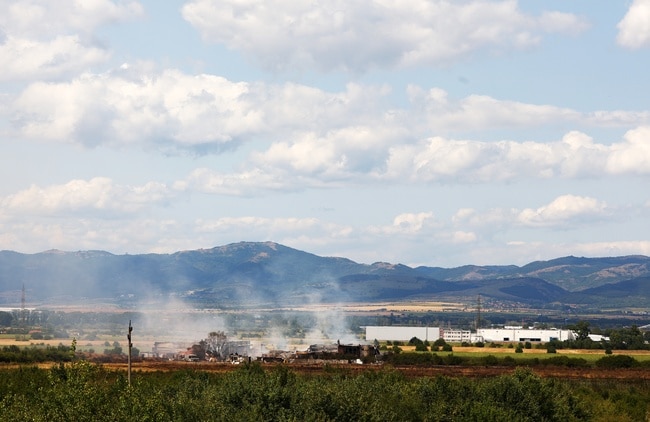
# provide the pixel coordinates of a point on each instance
(490, 360)
(617, 361)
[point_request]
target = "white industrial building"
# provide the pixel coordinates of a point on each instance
(401, 333)
(505, 334)
(523, 334)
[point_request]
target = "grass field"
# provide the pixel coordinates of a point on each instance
(590, 355)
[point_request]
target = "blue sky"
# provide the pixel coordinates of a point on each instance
(435, 133)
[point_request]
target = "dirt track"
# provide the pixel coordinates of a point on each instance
(411, 371)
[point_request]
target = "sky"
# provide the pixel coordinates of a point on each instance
(438, 133)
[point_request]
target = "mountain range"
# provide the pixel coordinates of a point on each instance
(269, 274)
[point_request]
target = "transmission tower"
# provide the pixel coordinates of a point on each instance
(478, 313)
(23, 313)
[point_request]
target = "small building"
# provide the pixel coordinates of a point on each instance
(457, 336)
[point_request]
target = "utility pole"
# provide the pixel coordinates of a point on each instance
(129, 356)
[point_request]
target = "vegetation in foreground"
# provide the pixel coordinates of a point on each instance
(85, 391)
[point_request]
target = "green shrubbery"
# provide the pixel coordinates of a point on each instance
(34, 354)
(84, 391)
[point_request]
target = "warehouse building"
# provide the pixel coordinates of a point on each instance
(505, 334)
(517, 333)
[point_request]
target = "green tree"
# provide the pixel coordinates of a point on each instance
(582, 330)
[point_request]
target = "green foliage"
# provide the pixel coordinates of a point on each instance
(439, 342)
(420, 346)
(617, 361)
(630, 338)
(84, 391)
(34, 354)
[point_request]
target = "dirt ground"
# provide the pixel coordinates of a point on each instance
(306, 368)
(411, 371)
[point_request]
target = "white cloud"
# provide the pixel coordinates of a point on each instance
(632, 155)
(46, 39)
(562, 211)
(44, 18)
(465, 161)
(22, 59)
(174, 110)
(117, 109)
(463, 237)
(369, 157)
(409, 224)
(114, 235)
(312, 130)
(99, 194)
(356, 35)
(634, 28)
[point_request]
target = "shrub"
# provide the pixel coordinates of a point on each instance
(617, 361)
(421, 347)
(490, 360)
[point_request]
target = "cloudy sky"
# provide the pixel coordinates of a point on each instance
(426, 132)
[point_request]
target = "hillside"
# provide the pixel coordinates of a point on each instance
(269, 274)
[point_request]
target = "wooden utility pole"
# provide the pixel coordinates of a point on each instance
(128, 336)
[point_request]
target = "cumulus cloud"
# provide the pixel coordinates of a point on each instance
(45, 39)
(467, 161)
(632, 155)
(310, 129)
(357, 35)
(408, 224)
(335, 160)
(22, 59)
(98, 195)
(206, 113)
(634, 28)
(563, 210)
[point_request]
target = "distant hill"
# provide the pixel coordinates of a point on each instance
(268, 274)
